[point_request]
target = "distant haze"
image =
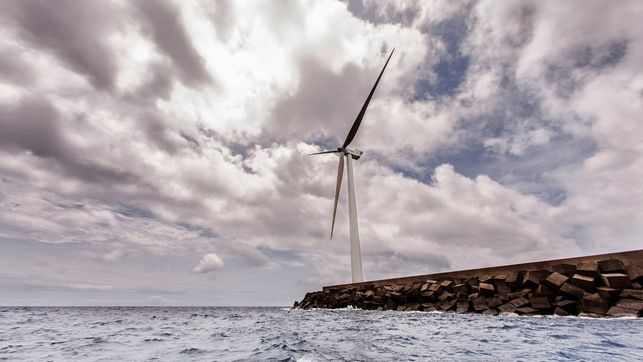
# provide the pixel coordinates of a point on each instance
(154, 152)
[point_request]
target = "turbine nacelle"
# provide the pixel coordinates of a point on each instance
(355, 153)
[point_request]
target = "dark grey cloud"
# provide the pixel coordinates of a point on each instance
(325, 104)
(568, 74)
(76, 32)
(372, 12)
(13, 68)
(159, 83)
(33, 125)
(169, 34)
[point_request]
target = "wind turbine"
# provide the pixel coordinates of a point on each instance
(352, 154)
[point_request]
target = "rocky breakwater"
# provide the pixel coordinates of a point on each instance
(604, 288)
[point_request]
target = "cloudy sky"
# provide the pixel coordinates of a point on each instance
(153, 152)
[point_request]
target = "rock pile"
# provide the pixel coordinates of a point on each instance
(597, 289)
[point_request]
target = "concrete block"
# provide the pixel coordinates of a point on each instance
(527, 311)
(571, 290)
(554, 280)
(540, 303)
(634, 304)
(608, 293)
(583, 281)
(461, 296)
(436, 288)
(635, 272)
(460, 288)
(520, 302)
(447, 285)
(568, 305)
(632, 294)
(472, 282)
(494, 302)
(568, 269)
(490, 311)
(533, 277)
(485, 278)
(514, 279)
(424, 287)
(544, 291)
(428, 307)
(507, 308)
(520, 293)
(588, 268)
(447, 305)
(561, 312)
(616, 280)
(479, 304)
(486, 289)
(445, 296)
(502, 287)
(593, 303)
(611, 266)
(622, 312)
(500, 278)
(462, 307)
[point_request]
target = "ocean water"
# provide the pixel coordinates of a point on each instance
(236, 333)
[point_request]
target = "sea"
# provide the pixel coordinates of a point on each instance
(282, 334)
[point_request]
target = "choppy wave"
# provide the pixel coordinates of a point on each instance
(282, 334)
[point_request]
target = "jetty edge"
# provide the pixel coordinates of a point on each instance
(605, 285)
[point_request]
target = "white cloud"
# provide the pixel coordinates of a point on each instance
(209, 262)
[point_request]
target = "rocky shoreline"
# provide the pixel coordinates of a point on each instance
(602, 288)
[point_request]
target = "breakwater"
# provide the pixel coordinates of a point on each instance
(596, 286)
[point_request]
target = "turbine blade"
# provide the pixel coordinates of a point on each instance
(340, 174)
(358, 120)
(322, 152)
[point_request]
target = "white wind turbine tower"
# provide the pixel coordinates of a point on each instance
(352, 154)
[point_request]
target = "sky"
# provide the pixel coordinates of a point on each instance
(154, 152)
